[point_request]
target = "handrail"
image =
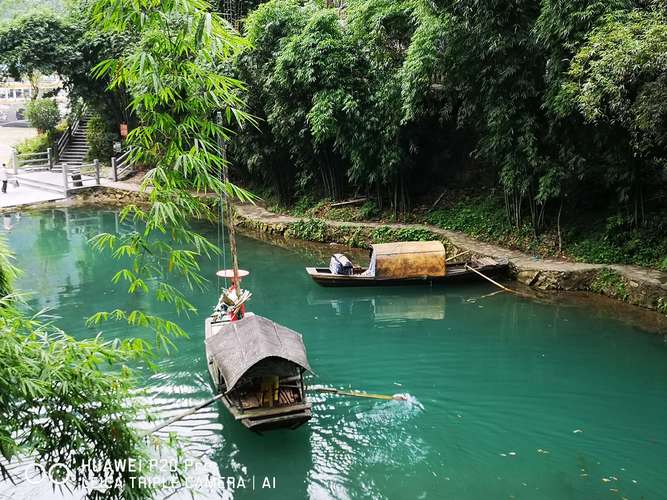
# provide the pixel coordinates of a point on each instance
(124, 156)
(69, 132)
(122, 165)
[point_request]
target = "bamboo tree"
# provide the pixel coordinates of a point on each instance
(175, 75)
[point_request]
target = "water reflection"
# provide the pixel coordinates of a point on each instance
(492, 375)
(385, 305)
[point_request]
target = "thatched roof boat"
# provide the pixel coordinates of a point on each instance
(404, 263)
(259, 366)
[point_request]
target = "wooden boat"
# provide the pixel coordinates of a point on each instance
(405, 263)
(259, 366)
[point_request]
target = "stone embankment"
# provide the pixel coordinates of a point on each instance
(635, 285)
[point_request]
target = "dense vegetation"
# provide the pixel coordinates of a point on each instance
(173, 74)
(549, 110)
(66, 401)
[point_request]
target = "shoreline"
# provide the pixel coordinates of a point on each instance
(646, 288)
(642, 287)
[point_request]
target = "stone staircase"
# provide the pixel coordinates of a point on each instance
(74, 154)
(76, 150)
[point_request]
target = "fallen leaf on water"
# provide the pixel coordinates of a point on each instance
(577, 431)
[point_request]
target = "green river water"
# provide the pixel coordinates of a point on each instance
(509, 397)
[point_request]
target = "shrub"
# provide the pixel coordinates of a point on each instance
(609, 282)
(386, 234)
(37, 144)
(100, 137)
(43, 114)
(311, 229)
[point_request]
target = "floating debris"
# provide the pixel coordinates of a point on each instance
(540, 450)
(606, 480)
(512, 453)
(577, 431)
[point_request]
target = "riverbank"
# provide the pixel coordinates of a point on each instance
(632, 284)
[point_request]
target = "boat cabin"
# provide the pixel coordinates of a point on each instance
(409, 259)
(259, 366)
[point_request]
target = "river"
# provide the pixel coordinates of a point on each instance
(509, 397)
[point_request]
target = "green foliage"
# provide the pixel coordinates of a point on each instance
(482, 217)
(309, 229)
(66, 401)
(620, 241)
(43, 114)
(369, 210)
(34, 43)
(69, 402)
(173, 74)
(662, 305)
(618, 80)
(37, 144)
(386, 234)
(609, 282)
(8, 272)
(559, 102)
(100, 137)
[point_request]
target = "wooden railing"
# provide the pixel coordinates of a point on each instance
(122, 166)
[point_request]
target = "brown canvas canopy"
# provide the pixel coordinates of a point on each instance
(409, 259)
(240, 345)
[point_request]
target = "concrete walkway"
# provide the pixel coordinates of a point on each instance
(23, 195)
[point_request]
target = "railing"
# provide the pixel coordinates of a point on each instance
(80, 176)
(69, 132)
(122, 166)
(32, 162)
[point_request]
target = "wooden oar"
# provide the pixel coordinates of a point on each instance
(183, 415)
(359, 394)
(496, 283)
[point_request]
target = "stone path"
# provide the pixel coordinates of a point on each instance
(528, 267)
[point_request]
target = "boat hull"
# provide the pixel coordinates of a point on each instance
(456, 273)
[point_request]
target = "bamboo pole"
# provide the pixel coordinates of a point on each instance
(187, 413)
(495, 282)
(230, 211)
(359, 394)
(458, 255)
